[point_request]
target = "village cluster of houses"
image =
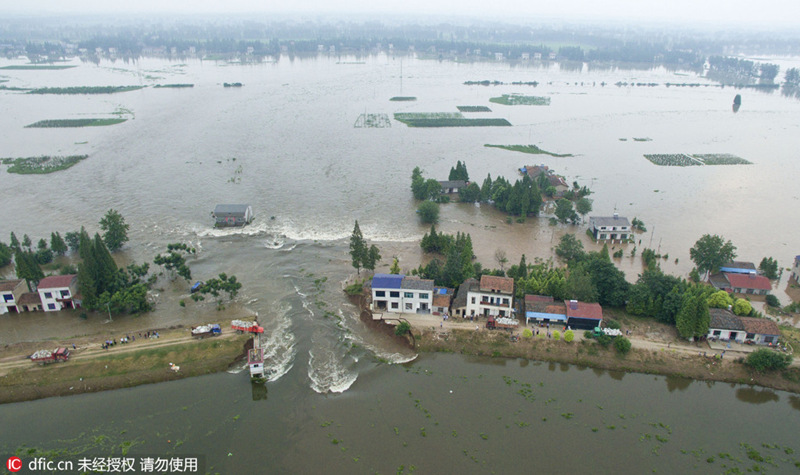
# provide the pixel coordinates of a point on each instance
(491, 296)
(54, 293)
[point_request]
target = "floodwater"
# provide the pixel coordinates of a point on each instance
(285, 143)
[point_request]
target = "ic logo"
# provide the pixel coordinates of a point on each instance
(14, 464)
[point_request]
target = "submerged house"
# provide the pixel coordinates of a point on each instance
(453, 186)
(57, 292)
(10, 293)
(232, 215)
(610, 228)
(741, 283)
(796, 269)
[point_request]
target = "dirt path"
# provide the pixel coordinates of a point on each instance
(17, 357)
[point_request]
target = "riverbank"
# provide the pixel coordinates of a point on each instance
(652, 360)
(92, 369)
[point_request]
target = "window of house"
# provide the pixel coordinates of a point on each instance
(395, 295)
(380, 293)
(602, 236)
(505, 301)
(473, 299)
(717, 333)
(64, 293)
(48, 295)
(502, 313)
(395, 305)
(8, 297)
(409, 307)
(423, 296)
(408, 295)
(51, 306)
(769, 339)
(750, 336)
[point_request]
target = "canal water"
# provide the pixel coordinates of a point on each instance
(440, 414)
(286, 144)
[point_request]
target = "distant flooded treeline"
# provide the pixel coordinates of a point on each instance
(249, 39)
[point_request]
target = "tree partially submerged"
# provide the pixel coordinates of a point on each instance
(710, 252)
(174, 260)
(115, 230)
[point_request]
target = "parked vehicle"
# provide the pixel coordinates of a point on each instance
(46, 356)
(504, 323)
(203, 331)
(196, 286)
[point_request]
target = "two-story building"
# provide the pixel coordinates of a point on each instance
(386, 292)
(610, 228)
(494, 297)
(10, 293)
(417, 295)
(57, 292)
(401, 294)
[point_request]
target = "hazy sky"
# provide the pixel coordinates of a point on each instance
(781, 13)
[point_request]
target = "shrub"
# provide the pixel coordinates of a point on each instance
(613, 324)
(402, 328)
(604, 340)
(765, 359)
(182, 303)
(742, 307)
(622, 345)
(355, 288)
(428, 212)
(588, 334)
(773, 301)
(527, 333)
(569, 335)
(556, 335)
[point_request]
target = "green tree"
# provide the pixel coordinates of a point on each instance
(57, 244)
(522, 269)
(772, 301)
(564, 211)
(685, 319)
(556, 335)
(452, 272)
(14, 242)
(486, 189)
(395, 269)
(115, 230)
(580, 286)
(569, 335)
(710, 252)
(418, 184)
(720, 299)
(622, 345)
(372, 258)
(73, 239)
(470, 194)
(764, 359)
(570, 249)
(433, 189)
(359, 252)
(428, 212)
(218, 285)
(769, 267)
(583, 206)
(174, 260)
(27, 268)
(742, 307)
(26, 242)
(6, 254)
(459, 172)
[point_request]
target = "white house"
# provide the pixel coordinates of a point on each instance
(417, 295)
(724, 325)
(494, 297)
(10, 292)
(57, 292)
(386, 292)
(761, 331)
(613, 228)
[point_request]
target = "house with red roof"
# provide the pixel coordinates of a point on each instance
(57, 292)
(748, 283)
(584, 316)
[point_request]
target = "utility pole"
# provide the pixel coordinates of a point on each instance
(108, 306)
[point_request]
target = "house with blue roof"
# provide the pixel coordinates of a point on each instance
(386, 292)
(401, 294)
